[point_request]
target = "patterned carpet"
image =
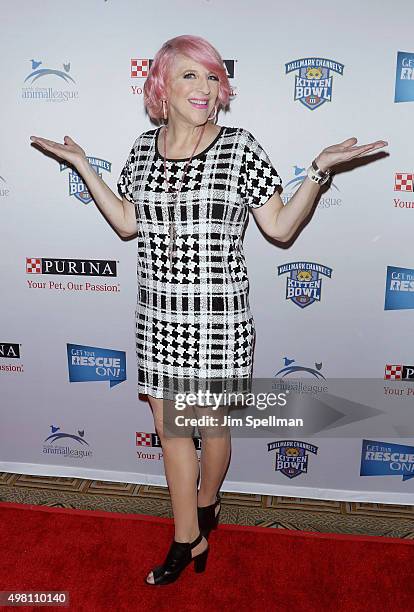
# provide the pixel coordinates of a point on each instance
(241, 509)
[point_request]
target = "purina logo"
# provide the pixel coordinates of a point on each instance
(144, 438)
(151, 440)
(292, 456)
(399, 372)
(48, 76)
(4, 191)
(9, 350)
(148, 441)
(91, 363)
(313, 84)
(77, 187)
(299, 175)
(71, 267)
(404, 77)
(304, 283)
(399, 288)
(140, 67)
(230, 66)
(53, 444)
(403, 183)
(387, 459)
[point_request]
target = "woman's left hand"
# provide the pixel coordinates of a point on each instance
(344, 151)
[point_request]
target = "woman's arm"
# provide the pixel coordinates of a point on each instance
(281, 221)
(119, 213)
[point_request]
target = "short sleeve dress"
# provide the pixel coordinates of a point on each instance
(193, 320)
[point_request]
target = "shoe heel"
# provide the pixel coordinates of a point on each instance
(200, 562)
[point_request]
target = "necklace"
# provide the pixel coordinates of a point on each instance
(175, 194)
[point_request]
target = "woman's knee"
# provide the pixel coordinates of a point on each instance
(213, 422)
(164, 422)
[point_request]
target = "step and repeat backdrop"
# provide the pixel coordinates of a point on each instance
(336, 304)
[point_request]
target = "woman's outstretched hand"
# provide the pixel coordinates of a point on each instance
(69, 150)
(344, 151)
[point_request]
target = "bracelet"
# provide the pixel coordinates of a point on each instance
(317, 175)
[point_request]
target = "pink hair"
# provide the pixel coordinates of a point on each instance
(198, 49)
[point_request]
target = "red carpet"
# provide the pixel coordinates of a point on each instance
(101, 559)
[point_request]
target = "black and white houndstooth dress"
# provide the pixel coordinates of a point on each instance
(194, 322)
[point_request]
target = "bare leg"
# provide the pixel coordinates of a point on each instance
(181, 470)
(215, 458)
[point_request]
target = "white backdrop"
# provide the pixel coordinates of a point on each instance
(86, 91)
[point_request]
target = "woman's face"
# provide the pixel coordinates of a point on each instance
(191, 92)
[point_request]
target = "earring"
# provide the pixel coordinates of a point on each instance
(213, 118)
(164, 110)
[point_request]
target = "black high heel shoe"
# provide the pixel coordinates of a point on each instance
(177, 559)
(207, 517)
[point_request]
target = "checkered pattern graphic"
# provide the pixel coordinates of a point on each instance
(175, 344)
(33, 265)
(403, 182)
(393, 372)
(243, 338)
(193, 321)
(139, 68)
(143, 438)
(193, 176)
(185, 265)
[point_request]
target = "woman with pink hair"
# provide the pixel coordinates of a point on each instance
(187, 187)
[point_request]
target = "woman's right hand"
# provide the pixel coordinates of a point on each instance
(68, 151)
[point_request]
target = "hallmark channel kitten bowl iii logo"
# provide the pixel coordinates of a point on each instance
(77, 187)
(313, 84)
(91, 363)
(43, 83)
(291, 458)
(52, 445)
(304, 281)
